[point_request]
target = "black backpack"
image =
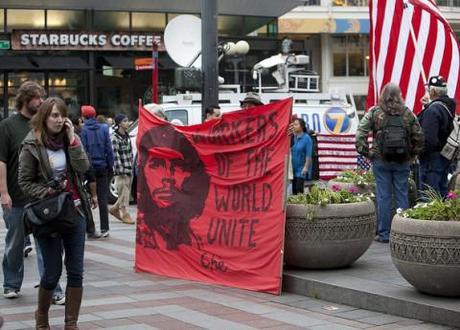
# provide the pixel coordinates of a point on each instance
(394, 142)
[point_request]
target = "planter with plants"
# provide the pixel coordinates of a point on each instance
(363, 181)
(328, 229)
(425, 244)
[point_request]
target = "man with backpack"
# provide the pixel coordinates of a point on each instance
(397, 140)
(96, 140)
(436, 120)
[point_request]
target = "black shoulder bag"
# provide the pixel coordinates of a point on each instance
(54, 214)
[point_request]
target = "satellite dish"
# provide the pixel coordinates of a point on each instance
(182, 39)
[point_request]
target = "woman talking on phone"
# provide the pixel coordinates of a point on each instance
(51, 162)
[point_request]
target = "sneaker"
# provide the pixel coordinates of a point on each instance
(116, 213)
(10, 293)
(127, 219)
(58, 299)
(105, 234)
(94, 236)
(27, 250)
(380, 239)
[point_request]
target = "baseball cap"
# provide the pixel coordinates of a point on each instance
(437, 81)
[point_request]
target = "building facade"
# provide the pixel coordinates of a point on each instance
(337, 32)
(85, 51)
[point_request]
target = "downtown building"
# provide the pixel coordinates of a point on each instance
(337, 33)
(84, 51)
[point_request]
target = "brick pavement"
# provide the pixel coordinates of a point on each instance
(116, 297)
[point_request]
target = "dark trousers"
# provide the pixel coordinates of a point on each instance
(51, 248)
(298, 186)
(102, 190)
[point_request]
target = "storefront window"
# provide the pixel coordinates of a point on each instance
(349, 55)
(25, 19)
(69, 86)
(16, 79)
(2, 104)
(111, 21)
(171, 16)
(230, 25)
(148, 21)
(2, 20)
(65, 19)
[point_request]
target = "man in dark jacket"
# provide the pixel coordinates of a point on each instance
(96, 140)
(436, 120)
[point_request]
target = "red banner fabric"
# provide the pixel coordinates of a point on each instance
(210, 197)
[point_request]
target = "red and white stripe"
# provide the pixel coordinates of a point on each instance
(395, 58)
(335, 154)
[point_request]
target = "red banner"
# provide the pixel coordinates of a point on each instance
(210, 197)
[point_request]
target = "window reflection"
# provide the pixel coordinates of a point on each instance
(65, 19)
(2, 20)
(25, 19)
(111, 20)
(148, 21)
(69, 86)
(350, 55)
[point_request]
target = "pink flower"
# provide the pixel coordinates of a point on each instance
(353, 190)
(335, 187)
(452, 195)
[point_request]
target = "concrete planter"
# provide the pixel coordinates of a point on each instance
(336, 237)
(427, 254)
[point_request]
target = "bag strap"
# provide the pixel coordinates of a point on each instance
(445, 107)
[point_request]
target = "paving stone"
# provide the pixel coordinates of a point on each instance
(382, 319)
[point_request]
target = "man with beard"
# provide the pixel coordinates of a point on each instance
(173, 187)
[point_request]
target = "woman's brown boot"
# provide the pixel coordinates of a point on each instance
(72, 307)
(41, 314)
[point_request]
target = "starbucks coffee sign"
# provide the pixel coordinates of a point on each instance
(71, 40)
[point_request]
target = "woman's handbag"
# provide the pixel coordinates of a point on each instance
(56, 214)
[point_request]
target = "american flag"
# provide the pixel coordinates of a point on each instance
(335, 154)
(395, 57)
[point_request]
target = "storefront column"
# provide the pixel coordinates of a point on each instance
(5, 94)
(92, 79)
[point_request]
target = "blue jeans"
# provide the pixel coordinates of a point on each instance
(13, 258)
(41, 269)
(433, 173)
(51, 248)
(390, 177)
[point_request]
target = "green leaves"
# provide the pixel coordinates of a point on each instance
(358, 177)
(436, 208)
(324, 196)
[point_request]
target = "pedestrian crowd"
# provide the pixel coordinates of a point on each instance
(55, 167)
(49, 154)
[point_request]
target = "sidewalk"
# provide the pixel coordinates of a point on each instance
(116, 297)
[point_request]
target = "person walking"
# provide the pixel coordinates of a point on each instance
(123, 168)
(90, 202)
(397, 140)
(96, 141)
(301, 155)
(52, 149)
(436, 120)
(12, 132)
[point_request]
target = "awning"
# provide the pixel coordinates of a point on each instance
(15, 63)
(60, 63)
(120, 62)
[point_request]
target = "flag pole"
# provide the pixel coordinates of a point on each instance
(417, 54)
